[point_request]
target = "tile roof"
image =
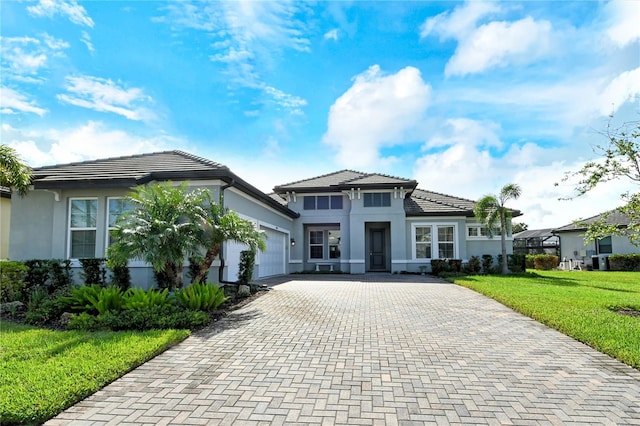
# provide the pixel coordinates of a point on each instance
(429, 203)
(614, 217)
(128, 170)
(5, 192)
(534, 233)
(345, 179)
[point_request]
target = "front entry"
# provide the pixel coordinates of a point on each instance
(377, 249)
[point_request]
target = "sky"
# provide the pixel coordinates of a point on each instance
(464, 97)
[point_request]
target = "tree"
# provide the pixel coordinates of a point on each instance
(518, 227)
(491, 209)
(620, 159)
(225, 225)
(14, 173)
(163, 228)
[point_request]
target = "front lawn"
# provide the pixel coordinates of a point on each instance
(580, 304)
(42, 371)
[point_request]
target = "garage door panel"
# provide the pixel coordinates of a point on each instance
(272, 260)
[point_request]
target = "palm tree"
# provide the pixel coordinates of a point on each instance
(162, 229)
(13, 172)
(225, 225)
(490, 209)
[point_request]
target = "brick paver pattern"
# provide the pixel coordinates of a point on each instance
(371, 351)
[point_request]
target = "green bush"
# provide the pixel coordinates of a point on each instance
(94, 271)
(439, 266)
(246, 266)
(80, 298)
(201, 297)
(528, 261)
(473, 267)
(12, 284)
(136, 298)
(545, 262)
(487, 264)
(515, 262)
(51, 274)
(153, 317)
(120, 277)
(42, 307)
(109, 299)
(624, 262)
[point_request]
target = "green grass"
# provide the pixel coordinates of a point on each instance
(579, 304)
(42, 372)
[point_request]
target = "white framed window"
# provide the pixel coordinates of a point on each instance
(479, 231)
(83, 214)
(115, 207)
(434, 241)
(324, 243)
(322, 202)
(377, 199)
(423, 242)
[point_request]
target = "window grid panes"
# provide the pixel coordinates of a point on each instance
(605, 246)
(445, 242)
(316, 244)
(377, 199)
(116, 207)
(423, 242)
(310, 202)
(82, 228)
(334, 244)
(322, 202)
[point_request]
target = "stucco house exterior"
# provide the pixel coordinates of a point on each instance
(595, 253)
(349, 221)
(5, 220)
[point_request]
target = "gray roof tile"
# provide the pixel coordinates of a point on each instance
(615, 217)
(429, 203)
(344, 179)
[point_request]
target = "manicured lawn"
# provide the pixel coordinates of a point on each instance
(43, 372)
(579, 304)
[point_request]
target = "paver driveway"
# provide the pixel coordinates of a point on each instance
(371, 351)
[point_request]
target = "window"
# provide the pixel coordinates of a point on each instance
(115, 207)
(423, 242)
(334, 244)
(316, 244)
(605, 246)
(377, 199)
(323, 202)
(82, 228)
(445, 242)
(475, 231)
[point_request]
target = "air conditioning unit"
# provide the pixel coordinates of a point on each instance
(600, 262)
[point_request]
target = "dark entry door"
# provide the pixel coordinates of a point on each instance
(377, 258)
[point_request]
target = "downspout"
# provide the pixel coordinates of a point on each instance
(221, 254)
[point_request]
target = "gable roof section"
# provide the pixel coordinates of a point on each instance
(615, 217)
(344, 180)
(127, 172)
(429, 203)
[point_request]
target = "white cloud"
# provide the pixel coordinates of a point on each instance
(378, 110)
(68, 8)
(621, 89)
(249, 35)
(623, 22)
(494, 44)
(86, 40)
(13, 102)
(23, 58)
(104, 95)
(86, 142)
(331, 35)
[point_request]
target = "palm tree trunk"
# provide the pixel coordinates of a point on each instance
(503, 241)
(209, 257)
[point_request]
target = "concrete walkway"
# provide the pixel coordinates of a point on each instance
(371, 350)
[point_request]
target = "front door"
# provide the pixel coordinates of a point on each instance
(377, 258)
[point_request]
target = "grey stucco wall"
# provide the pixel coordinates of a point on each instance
(32, 226)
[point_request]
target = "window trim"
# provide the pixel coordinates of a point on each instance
(83, 228)
(609, 246)
(330, 197)
(326, 250)
(108, 227)
(383, 198)
(434, 240)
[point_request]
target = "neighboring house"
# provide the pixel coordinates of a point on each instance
(349, 221)
(360, 222)
(72, 207)
(536, 241)
(574, 247)
(5, 220)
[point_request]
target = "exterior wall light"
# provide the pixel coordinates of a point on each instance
(293, 242)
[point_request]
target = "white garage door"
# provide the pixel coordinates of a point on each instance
(272, 261)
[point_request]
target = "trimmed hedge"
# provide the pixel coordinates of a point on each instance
(545, 262)
(624, 262)
(12, 284)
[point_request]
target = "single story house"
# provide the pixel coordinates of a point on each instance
(5, 220)
(349, 221)
(574, 247)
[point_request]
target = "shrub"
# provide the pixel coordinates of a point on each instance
(624, 262)
(487, 264)
(545, 262)
(515, 262)
(455, 265)
(201, 297)
(194, 268)
(439, 265)
(80, 298)
(153, 317)
(529, 261)
(12, 284)
(136, 298)
(474, 266)
(120, 277)
(43, 308)
(108, 299)
(51, 274)
(162, 279)
(94, 271)
(247, 264)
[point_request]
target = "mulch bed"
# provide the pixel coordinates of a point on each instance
(629, 312)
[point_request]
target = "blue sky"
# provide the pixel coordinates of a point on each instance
(463, 97)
